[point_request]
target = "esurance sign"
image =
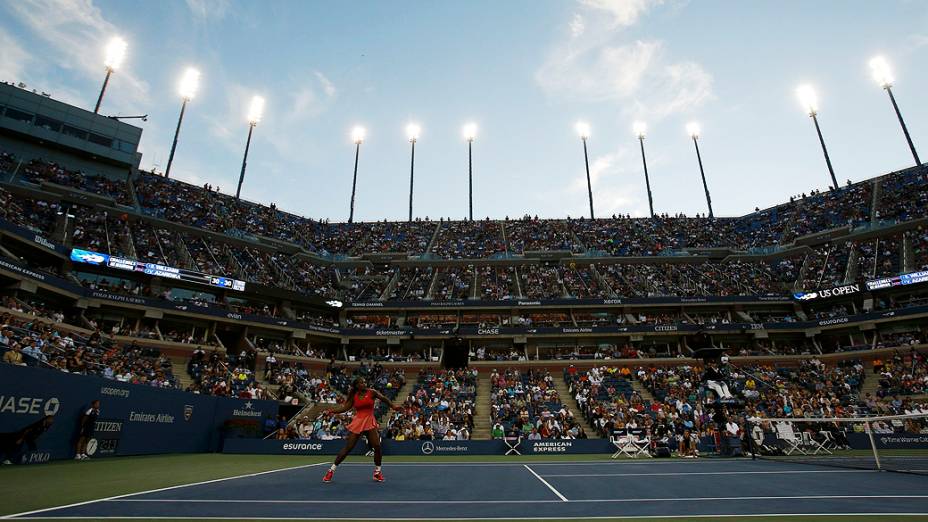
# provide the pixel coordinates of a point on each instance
(836, 291)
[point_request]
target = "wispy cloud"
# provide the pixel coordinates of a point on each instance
(290, 108)
(618, 185)
(918, 41)
(623, 12)
(69, 28)
(596, 60)
(13, 59)
(208, 9)
(597, 63)
(577, 26)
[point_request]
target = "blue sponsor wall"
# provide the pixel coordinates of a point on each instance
(134, 419)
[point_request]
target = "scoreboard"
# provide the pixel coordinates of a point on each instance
(155, 269)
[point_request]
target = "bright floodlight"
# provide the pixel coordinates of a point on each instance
(358, 134)
(808, 99)
(640, 128)
(412, 131)
(470, 131)
(256, 110)
(189, 83)
(583, 129)
(882, 73)
(115, 52)
(692, 129)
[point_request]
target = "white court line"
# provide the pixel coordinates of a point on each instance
(116, 497)
(619, 517)
(519, 501)
(617, 462)
(784, 472)
(545, 482)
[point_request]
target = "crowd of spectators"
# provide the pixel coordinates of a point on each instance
(526, 404)
(40, 342)
(905, 373)
(39, 171)
(439, 407)
(216, 373)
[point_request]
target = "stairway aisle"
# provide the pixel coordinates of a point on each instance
(871, 382)
(400, 397)
(179, 369)
(641, 390)
(482, 408)
(568, 400)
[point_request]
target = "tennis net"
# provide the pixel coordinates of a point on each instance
(889, 442)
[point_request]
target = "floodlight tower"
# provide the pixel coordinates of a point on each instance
(115, 53)
(357, 135)
(189, 83)
(809, 101)
(883, 74)
(583, 129)
(255, 112)
(412, 132)
(640, 129)
(692, 129)
(470, 134)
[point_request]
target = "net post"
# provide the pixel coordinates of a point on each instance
(876, 456)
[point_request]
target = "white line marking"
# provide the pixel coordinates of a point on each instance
(616, 462)
(620, 517)
(785, 472)
(545, 482)
(519, 501)
(106, 499)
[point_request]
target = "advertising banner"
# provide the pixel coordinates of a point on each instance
(418, 447)
(133, 419)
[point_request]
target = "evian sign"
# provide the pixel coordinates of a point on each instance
(828, 292)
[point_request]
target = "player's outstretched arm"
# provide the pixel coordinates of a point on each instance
(386, 400)
(341, 408)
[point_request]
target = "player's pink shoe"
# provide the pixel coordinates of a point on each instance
(328, 476)
(378, 476)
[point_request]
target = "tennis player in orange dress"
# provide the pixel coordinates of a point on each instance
(361, 398)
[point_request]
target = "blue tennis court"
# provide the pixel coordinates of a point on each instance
(518, 490)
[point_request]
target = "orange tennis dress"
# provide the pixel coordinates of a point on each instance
(364, 414)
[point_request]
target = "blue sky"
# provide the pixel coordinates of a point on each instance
(524, 71)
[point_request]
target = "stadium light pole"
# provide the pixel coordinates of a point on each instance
(640, 129)
(189, 83)
(693, 130)
(583, 129)
(470, 134)
(882, 73)
(412, 132)
(255, 112)
(357, 134)
(115, 53)
(809, 101)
